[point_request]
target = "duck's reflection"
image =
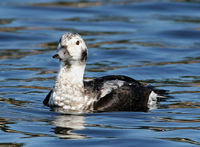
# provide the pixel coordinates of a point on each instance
(66, 124)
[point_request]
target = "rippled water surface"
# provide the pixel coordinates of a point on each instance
(157, 42)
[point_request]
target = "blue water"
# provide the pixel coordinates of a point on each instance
(157, 42)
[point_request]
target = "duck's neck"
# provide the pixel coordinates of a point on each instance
(72, 73)
(69, 87)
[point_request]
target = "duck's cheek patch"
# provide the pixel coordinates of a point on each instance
(84, 55)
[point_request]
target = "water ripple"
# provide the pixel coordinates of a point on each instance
(156, 42)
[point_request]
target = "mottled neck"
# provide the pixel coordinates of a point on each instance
(69, 88)
(71, 75)
(74, 71)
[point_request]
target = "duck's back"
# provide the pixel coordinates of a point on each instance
(118, 93)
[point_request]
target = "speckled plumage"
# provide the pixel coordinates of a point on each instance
(109, 93)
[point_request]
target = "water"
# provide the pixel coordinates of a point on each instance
(157, 42)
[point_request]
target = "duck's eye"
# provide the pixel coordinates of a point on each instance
(77, 42)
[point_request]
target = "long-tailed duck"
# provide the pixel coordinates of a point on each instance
(108, 93)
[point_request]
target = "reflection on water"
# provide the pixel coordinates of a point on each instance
(156, 42)
(66, 124)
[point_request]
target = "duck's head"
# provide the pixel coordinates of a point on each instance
(71, 48)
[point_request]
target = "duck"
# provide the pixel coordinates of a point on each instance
(103, 94)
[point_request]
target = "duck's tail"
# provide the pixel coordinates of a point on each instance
(155, 96)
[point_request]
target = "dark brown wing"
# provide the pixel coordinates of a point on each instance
(125, 98)
(131, 96)
(46, 100)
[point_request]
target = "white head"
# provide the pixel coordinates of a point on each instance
(71, 48)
